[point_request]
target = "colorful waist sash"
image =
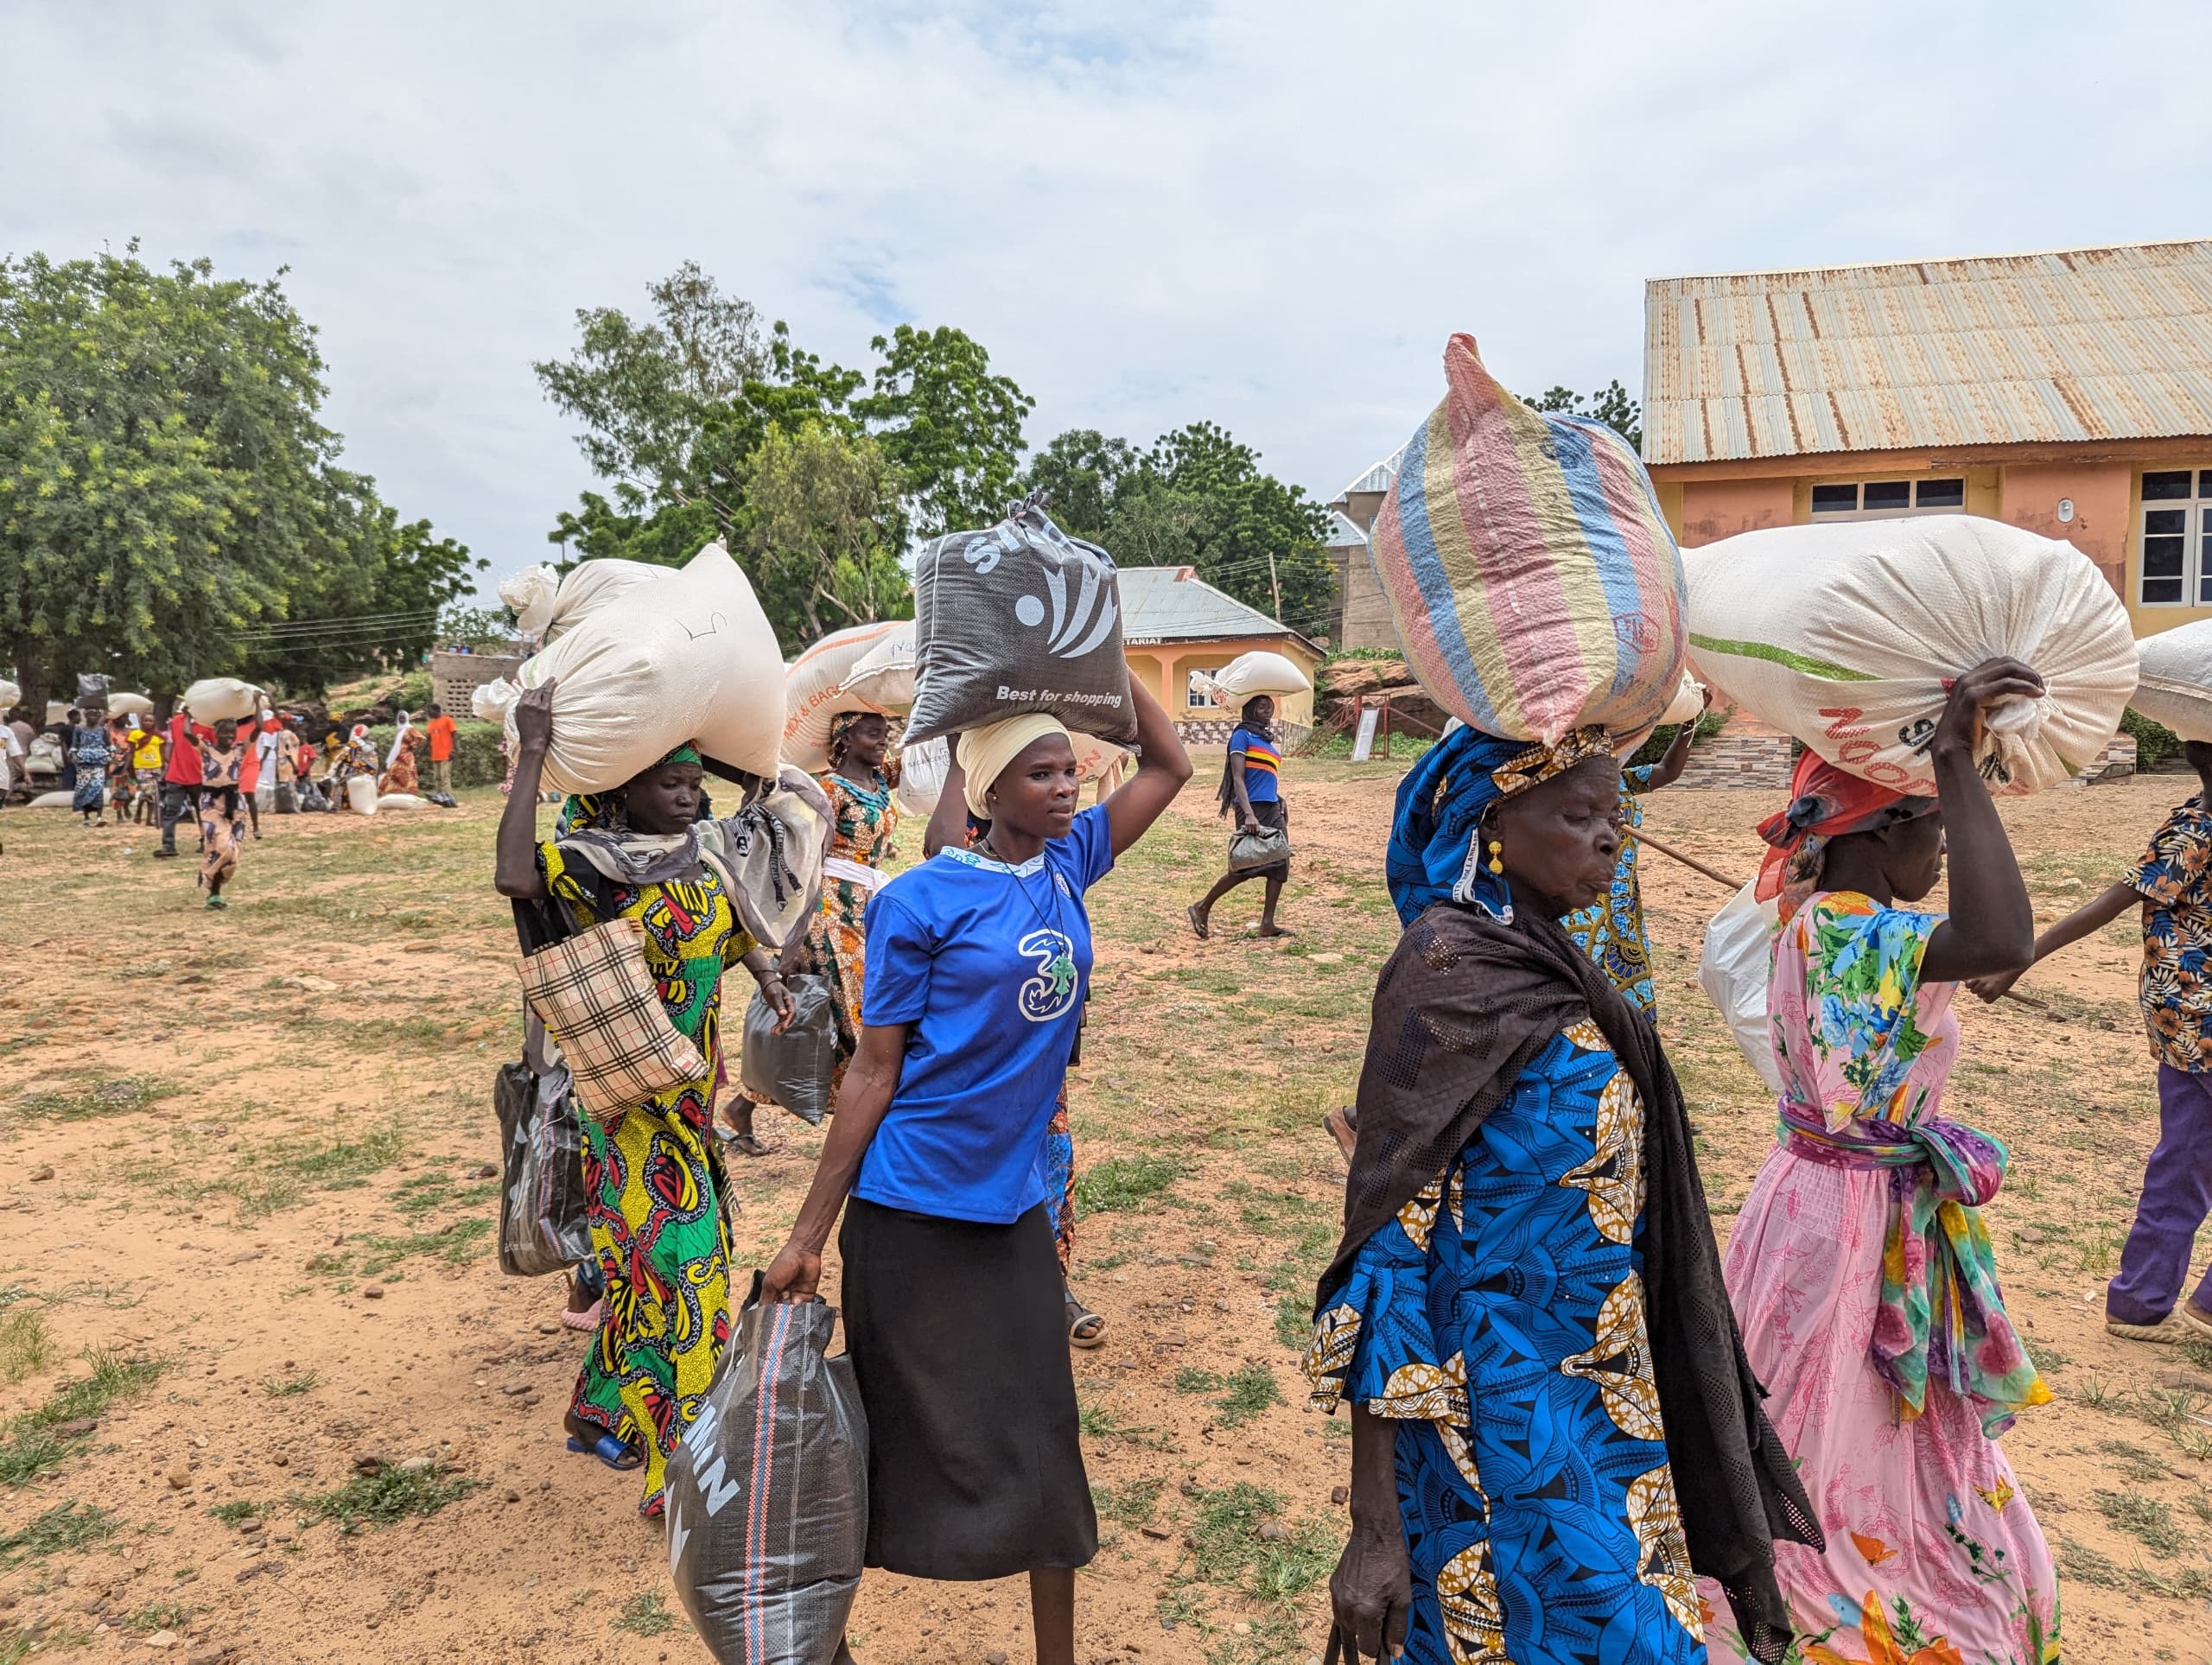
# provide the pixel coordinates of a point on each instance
(1941, 1311)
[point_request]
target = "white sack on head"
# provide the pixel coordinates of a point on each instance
(1250, 675)
(529, 595)
(213, 698)
(56, 711)
(1688, 702)
(492, 701)
(597, 584)
(9, 694)
(883, 675)
(2175, 689)
(814, 689)
(1845, 635)
(690, 657)
(1734, 970)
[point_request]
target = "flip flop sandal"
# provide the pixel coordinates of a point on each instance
(1078, 1317)
(747, 1144)
(1200, 928)
(586, 1320)
(609, 1451)
(1342, 1124)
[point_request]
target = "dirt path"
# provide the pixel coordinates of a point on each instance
(261, 1260)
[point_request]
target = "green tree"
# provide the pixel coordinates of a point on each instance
(952, 429)
(168, 494)
(1611, 405)
(821, 529)
(1080, 471)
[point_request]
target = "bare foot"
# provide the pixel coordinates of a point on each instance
(1274, 930)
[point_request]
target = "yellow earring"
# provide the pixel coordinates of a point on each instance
(1496, 856)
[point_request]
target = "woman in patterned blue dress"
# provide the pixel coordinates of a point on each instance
(1513, 1477)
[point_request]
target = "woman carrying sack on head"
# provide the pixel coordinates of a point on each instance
(1527, 1271)
(1860, 1267)
(859, 782)
(223, 804)
(977, 961)
(1251, 784)
(652, 1172)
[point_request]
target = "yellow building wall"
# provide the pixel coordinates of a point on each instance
(1165, 669)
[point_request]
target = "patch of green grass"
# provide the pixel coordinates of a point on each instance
(2083, 1565)
(1192, 1379)
(645, 1615)
(290, 1386)
(25, 1347)
(85, 1102)
(1250, 1391)
(2135, 1463)
(231, 1514)
(434, 1194)
(65, 1526)
(1228, 1549)
(1097, 1422)
(1130, 1504)
(33, 1446)
(389, 1494)
(2147, 1521)
(1294, 1322)
(283, 1175)
(163, 1615)
(1125, 1182)
(456, 1244)
(2198, 1349)
(2048, 1357)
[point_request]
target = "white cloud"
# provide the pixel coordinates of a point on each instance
(1268, 215)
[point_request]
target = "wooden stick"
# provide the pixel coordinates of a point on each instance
(1724, 880)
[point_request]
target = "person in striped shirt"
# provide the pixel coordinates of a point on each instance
(1251, 782)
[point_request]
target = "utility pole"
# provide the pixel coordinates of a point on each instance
(1275, 584)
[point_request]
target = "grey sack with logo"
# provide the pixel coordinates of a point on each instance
(767, 1496)
(1018, 618)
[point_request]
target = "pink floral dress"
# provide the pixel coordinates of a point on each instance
(1861, 1276)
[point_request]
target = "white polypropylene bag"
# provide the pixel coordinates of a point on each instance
(10, 694)
(129, 705)
(213, 698)
(547, 605)
(689, 656)
(1845, 635)
(1689, 702)
(491, 701)
(1250, 675)
(50, 801)
(2176, 688)
(885, 674)
(814, 689)
(529, 595)
(401, 801)
(1734, 969)
(361, 794)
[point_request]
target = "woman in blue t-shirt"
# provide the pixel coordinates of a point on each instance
(1251, 784)
(977, 961)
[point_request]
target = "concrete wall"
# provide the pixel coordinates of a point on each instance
(1713, 509)
(1165, 669)
(2103, 527)
(1362, 611)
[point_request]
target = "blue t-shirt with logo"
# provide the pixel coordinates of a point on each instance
(989, 963)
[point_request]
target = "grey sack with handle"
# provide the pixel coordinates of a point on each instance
(792, 1069)
(1018, 618)
(767, 1496)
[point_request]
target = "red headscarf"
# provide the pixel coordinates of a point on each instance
(1825, 803)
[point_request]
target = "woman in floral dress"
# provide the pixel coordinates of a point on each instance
(1861, 1271)
(222, 808)
(859, 782)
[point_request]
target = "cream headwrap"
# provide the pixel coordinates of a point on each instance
(985, 753)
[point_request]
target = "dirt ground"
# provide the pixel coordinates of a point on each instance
(247, 1222)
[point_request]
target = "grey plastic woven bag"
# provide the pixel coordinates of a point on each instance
(792, 1069)
(542, 1203)
(1018, 618)
(767, 1496)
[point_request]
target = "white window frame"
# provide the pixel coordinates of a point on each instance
(1915, 482)
(2195, 535)
(1196, 698)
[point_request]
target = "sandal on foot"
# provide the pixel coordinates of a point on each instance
(1200, 926)
(747, 1144)
(1342, 1124)
(1086, 1328)
(586, 1320)
(609, 1451)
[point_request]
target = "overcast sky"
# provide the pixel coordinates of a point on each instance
(1268, 214)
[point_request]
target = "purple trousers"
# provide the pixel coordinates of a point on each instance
(2176, 1195)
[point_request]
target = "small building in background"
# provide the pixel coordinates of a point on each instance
(2068, 393)
(1174, 626)
(1362, 619)
(457, 672)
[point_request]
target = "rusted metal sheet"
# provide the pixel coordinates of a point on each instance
(2086, 343)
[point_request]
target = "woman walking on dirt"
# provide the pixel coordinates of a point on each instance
(1860, 1267)
(1251, 784)
(652, 1172)
(1524, 1173)
(859, 782)
(222, 807)
(977, 961)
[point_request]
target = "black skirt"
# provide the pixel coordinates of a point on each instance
(959, 1342)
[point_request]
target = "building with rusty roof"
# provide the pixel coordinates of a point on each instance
(2067, 392)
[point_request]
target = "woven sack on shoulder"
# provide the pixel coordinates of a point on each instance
(594, 995)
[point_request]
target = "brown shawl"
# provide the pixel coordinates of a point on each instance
(1462, 1006)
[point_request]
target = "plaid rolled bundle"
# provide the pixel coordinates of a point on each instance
(596, 996)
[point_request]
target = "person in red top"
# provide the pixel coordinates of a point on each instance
(440, 728)
(180, 778)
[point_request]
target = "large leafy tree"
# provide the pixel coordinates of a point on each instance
(168, 493)
(950, 427)
(1610, 404)
(821, 519)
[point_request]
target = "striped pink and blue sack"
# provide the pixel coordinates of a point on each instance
(1533, 580)
(767, 1496)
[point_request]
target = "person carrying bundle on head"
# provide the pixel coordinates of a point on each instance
(1251, 785)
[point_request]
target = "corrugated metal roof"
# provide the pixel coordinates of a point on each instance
(1377, 477)
(1158, 605)
(2085, 344)
(1344, 532)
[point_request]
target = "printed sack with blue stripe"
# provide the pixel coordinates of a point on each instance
(1533, 580)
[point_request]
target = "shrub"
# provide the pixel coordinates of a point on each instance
(1708, 725)
(2154, 741)
(476, 759)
